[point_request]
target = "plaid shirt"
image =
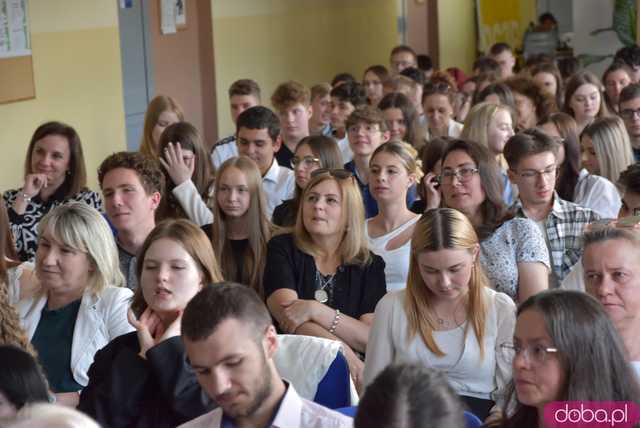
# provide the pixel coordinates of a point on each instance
(564, 227)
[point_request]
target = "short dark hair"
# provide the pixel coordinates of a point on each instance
(629, 93)
(410, 395)
(76, 178)
(259, 117)
(219, 302)
(499, 47)
(425, 63)
(244, 87)
(630, 55)
(21, 378)
(147, 170)
(486, 65)
(630, 179)
(341, 78)
(528, 143)
(414, 74)
(352, 92)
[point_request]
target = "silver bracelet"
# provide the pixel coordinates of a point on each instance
(335, 322)
(25, 197)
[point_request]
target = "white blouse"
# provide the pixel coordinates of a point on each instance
(597, 193)
(467, 372)
(396, 261)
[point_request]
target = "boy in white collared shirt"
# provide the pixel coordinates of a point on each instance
(258, 137)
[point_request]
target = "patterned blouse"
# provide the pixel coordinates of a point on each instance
(518, 240)
(25, 227)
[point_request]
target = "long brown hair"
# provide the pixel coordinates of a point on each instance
(257, 225)
(438, 229)
(195, 243)
(156, 107)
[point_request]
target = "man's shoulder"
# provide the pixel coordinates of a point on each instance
(227, 140)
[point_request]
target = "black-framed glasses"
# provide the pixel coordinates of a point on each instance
(305, 161)
(532, 175)
(536, 354)
(629, 113)
(340, 174)
(463, 174)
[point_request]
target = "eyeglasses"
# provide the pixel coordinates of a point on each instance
(306, 161)
(629, 113)
(340, 174)
(535, 354)
(463, 175)
(632, 222)
(532, 175)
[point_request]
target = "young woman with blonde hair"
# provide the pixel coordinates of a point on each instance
(492, 125)
(161, 112)
(394, 170)
(606, 148)
(322, 280)
(449, 317)
(187, 169)
(241, 229)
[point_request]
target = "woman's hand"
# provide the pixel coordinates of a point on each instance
(356, 367)
(173, 162)
(34, 183)
(172, 330)
(296, 313)
(431, 191)
(146, 327)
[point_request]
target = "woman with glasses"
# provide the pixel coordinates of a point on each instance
(606, 148)
(576, 184)
(448, 318)
(241, 229)
(492, 125)
(437, 102)
(394, 171)
(564, 348)
(311, 153)
(321, 279)
(513, 251)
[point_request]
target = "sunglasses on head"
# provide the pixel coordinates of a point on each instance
(340, 174)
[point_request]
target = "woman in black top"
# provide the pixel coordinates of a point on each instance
(314, 152)
(321, 280)
(142, 379)
(241, 229)
(54, 173)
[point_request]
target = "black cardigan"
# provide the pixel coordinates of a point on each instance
(358, 287)
(125, 390)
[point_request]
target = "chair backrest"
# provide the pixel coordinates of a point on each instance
(471, 420)
(316, 368)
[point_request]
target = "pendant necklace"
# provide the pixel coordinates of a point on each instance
(321, 294)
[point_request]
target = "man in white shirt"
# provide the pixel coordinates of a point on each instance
(132, 185)
(243, 94)
(258, 137)
(231, 342)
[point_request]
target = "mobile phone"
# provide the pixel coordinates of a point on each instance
(436, 181)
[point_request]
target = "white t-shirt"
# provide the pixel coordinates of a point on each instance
(278, 183)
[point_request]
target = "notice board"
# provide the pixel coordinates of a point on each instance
(16, 61)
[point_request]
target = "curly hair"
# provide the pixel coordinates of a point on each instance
(147, 169)
(11, 333)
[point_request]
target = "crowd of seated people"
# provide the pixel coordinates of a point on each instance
(468, 245)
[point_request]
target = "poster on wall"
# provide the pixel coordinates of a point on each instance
(506, 23)
(173, 16)
(14, 29)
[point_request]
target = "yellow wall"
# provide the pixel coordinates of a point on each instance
(78, 79)
(457, 33)
(272, 41)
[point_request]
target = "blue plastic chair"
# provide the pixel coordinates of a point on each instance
(334, 389)
(471, 420)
